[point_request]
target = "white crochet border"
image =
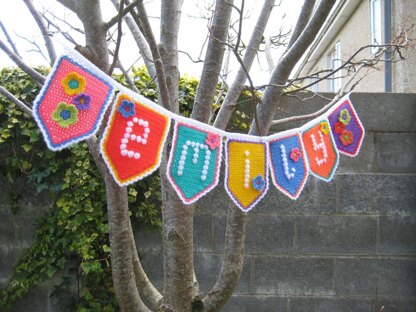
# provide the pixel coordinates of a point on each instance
(190, 123)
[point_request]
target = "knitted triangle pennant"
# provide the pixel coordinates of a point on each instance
(133, 140)
(194, 161)
(320, 148)
(288, 163)
(246, 174)
(71, 104)
(346, 127)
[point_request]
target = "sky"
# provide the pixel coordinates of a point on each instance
(22, 28)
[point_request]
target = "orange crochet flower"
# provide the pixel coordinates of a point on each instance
(73, 83)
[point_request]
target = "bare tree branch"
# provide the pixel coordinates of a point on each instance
(16, 101)
(140, 41)
(119, 35)
(234, 92)
(303, 19)
(19, 62)
(213, 60)
(121, 14)
(9, 39)
(272, 95)
(45, 33)
(142, 22)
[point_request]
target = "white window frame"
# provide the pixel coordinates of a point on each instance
(334, 62)
(375, 24)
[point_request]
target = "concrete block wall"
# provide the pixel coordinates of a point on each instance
(346, 245)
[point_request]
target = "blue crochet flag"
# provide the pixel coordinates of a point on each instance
(194, 162)
(288, 165)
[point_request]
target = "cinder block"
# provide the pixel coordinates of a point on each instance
(363, 162)
(396, 152)
(255, 303)
(148, 242)
(350, 305)
(216, 201)
(153, 266)
(369, 193)
(317, 197)
(203, 236)
(365, 277)
(302, 276)
(398, 235)
(336, 235)
(208, 266)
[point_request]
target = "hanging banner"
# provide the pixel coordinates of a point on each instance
(194, 161)
(246, 174)
(288, 163)
(71, 104)
(347, 129)
(320, 148)
(133, 140)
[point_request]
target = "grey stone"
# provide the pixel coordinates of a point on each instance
(396, 152)
(153, 266)
(366, 277)
(208, 266)
(255, 303)
(364, 161)
(316, 197)
(398, 235)
(337, 235)
(203, 236)
(265, 234)
(368, 193)
(350, 305)
(303, 276)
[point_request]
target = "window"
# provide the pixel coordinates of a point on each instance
(315, 87)
(375, 23)
(334, 62)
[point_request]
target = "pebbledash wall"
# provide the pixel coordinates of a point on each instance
(346, 245)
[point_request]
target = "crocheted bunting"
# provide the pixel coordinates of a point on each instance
(194, 161)
(246, 174)
(347, 129)
(320, 149)
(288, 164)
(71, 104)
(133, 140)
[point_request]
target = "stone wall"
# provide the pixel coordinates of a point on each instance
(347, 245)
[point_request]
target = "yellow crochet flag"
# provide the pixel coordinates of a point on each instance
(246, 178)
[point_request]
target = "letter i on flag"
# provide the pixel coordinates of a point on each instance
(288, 163)
(194, 161)
(72, 103)
(346, 127)
(320, 148)
(133, 140)
(246, 177)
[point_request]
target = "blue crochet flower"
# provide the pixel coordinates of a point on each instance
(258, 183)
(127, 109)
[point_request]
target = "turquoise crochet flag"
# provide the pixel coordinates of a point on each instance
(194, 162)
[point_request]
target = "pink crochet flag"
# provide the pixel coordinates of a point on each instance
(72, 103)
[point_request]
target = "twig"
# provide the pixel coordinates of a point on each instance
(121, 13)
(19, 62)
(119, 35)
(16, 101)
(6, 33)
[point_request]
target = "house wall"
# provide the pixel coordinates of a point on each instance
(356, 33)
(404, 72)
(347, 245)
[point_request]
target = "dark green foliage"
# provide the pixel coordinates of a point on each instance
(73, 235)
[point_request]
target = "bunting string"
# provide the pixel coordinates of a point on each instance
(71, 105)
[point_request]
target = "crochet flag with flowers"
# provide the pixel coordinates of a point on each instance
(194, 161)
(320, 148)
(346, 127)
(133, 140)
(72, 103)
(288, 164)
(246, 174)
